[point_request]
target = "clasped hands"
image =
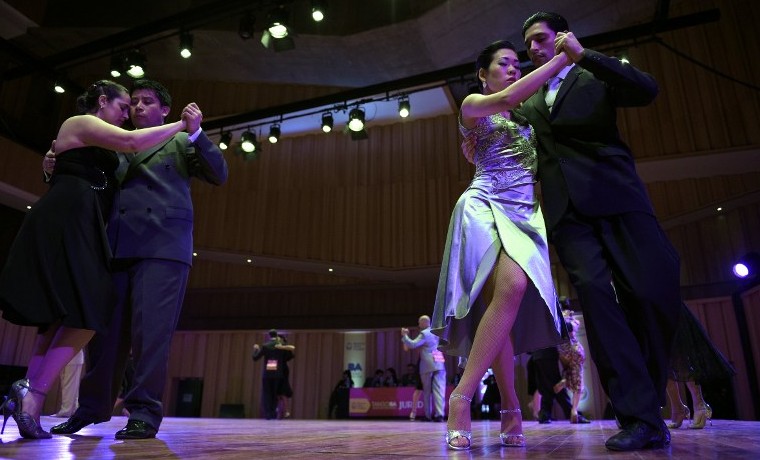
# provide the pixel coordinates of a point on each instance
(567, 42)
(404, 331)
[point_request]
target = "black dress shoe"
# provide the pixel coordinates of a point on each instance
(437, 418)
(137, 429)
(639, 435)
(544, 418)
(71, 426)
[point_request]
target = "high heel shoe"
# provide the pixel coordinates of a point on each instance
(412, 416)
(27, 425)
(508, 438)
(454, 434)
(702, 413)
(677, 418)
(8, 408)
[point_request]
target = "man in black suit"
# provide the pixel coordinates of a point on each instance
(275, 355)
(150, 231)
(601, 221)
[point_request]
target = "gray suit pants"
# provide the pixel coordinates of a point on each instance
(433, 385)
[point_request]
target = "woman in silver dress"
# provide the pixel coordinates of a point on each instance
(495, 293)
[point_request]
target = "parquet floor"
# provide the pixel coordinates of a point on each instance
(196, 438)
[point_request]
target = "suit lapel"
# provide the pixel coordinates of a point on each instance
(567, 83)
(143, 156)
(538, 103)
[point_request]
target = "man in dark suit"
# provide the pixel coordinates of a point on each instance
(550, 386)
(601, 221)
(151, 237)
(276, 355)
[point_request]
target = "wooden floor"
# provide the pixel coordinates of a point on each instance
(195, 438)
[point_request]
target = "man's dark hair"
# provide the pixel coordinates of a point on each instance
(273, 333)
(161, 92)
(553, 20)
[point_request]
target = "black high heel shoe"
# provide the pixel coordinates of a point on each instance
(8, 408)
(27, 425)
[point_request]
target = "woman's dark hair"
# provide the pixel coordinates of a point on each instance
(484, 60)
(553, 21)
(88, 101)
(486, 56)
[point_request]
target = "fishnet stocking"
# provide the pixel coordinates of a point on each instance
(492, 345)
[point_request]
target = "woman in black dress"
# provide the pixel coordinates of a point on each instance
(56, 276)
(694, 359)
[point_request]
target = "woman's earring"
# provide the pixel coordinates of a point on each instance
(484, 85)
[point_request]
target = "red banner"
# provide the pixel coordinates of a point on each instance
(387, 402)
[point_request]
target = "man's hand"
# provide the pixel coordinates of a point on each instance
(468, 148)
(404, 331)
(566, 41)
(48, 162)
(193, 117)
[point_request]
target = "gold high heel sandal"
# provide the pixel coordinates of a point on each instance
(508, 438)
(454, 434)
(678, 418)
(27, 425)
(702, 413)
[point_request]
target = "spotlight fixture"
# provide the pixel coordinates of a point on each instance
(327, 122)
(277, 35)
(318, 8)
(356, 119)
(245, 28)
(58, 88)
(224, 141)
(185, 44)
(748, 266)
(117, 65)
(403, 107)
(277, 23)
(274, 134)
(356, 124)
(248, 142)
(136, 64)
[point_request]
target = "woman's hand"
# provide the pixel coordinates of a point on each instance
(567, 42)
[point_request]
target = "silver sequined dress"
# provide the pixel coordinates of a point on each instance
(498, 211)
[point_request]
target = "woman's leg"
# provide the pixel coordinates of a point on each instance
(678, 410)
(702, 410)
(415, 399)
(504, 372)
(53, 350)
(508, 283)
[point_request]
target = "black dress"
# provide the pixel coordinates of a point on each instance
(57, 268)
(693, 356)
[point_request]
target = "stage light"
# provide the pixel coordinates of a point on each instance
(748, 266)
(185, 44)
(136, 64)
(58, 88)
(403, 107)
(274, 134)
(327, 122)
(248, 142)
(245, 28)
(117, 65)
(277, 23)
(277, 34)
(224, 141)
(318, 8)
(356, 119)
